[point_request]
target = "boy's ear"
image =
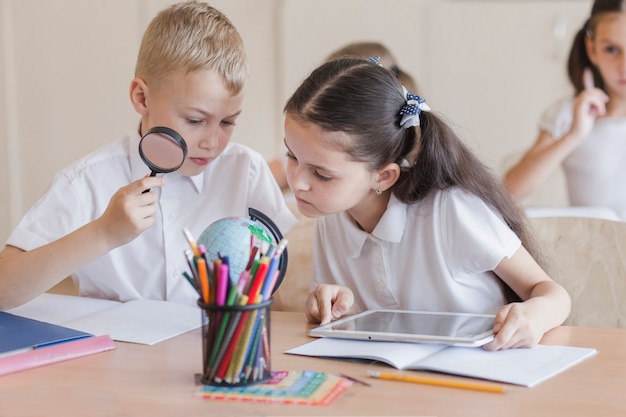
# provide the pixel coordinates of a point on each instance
(138, 93)
(387, 176)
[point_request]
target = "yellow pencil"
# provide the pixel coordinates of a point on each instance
(436, 381)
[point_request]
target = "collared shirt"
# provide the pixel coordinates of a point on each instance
(596, 169)
(151, 265)
(435, 255)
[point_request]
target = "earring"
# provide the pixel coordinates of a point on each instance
(378, 191)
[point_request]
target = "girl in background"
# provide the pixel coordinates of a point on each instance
(586, 134)
(368, 49)
(407, 217)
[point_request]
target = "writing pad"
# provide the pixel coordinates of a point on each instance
(462, 329)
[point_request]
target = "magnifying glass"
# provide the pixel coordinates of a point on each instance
(163, 150)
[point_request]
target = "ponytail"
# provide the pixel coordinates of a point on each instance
(443, 161)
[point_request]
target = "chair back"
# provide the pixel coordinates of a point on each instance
(588, 257)
(294, 290)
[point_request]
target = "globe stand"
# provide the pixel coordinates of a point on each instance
(262, 218)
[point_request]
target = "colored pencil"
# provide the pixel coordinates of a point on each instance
(436, 381)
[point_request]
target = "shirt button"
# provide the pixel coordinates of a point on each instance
(381, 284)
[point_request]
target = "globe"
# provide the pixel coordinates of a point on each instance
(232, 236)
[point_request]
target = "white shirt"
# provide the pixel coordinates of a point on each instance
(434, 255)
(596, 170)
(151, 265)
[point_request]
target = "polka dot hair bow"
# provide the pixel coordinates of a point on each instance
(374, 60)
(410, 112)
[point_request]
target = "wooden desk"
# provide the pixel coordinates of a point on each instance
(139, 380)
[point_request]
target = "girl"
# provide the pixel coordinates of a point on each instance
(408, 217)
(585, 133)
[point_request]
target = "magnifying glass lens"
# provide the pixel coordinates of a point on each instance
(163, 150)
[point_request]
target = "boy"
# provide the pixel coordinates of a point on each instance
(96, 223)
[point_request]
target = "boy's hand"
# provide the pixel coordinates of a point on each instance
(328, 302)
(130, 211)
(513, 328)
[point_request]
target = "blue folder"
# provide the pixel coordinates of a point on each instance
(17, 333)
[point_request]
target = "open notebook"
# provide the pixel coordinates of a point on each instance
(526, 367)
(138, 321)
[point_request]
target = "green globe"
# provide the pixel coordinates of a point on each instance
(231, 236)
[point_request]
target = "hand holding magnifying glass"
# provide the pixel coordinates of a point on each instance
(163, 150)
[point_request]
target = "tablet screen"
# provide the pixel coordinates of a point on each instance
(402, 325)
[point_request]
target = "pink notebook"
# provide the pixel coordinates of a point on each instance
(33, 358)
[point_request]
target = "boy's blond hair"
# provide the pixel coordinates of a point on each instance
(192, 36)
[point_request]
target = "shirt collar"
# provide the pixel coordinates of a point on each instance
(393, 223)
(390, 228)
(139, 169)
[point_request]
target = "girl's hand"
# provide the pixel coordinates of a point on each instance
(514, 327)
(328, 302)
(588, 105)
(130, 212)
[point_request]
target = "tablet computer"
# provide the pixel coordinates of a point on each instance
(463, 329)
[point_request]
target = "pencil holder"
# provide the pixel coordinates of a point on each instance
(235, 344)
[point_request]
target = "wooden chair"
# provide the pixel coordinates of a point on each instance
(65, 287)
(588, 257)
(294, 290)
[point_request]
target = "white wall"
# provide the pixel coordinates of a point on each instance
(65, 67)
(489, 67)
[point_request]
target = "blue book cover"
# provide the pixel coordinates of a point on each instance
(18, 333)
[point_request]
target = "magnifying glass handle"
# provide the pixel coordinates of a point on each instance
(152, 174)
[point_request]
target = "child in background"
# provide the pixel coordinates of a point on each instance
(96, 223)
(355, 50)
(585, 134)
(407, 217)
(387, 60)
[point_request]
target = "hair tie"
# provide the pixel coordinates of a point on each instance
(410, 112)
(374, 60)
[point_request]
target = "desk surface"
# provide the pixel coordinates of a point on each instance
(140, 380)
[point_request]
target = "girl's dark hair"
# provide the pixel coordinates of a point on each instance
(364, 100)
(578, 59)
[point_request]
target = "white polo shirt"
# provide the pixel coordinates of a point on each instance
(150, 266)
(435, 255)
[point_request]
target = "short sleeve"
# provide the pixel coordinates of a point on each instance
(58, 212)
(477, 237)
(557, 118)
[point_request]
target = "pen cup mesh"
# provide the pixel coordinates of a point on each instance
(235, 344)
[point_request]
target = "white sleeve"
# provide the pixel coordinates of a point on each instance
(557, 118)
(60, 211)
(477, 237)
